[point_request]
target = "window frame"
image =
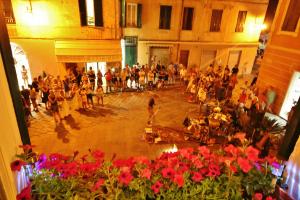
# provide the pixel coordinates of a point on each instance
(183, 19)
(289, 33)
(211, 27)
(170, 19)
(9, 19)
(237, 28)
(135, 6)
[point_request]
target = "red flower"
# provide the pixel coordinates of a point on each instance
(156, 187)
(142, 160)
(198, 163)
(186, 153)
(25, 193)
(168, 172)
(213, 170)
(124, 163)
(244, 165)
(197, 177)
(146, 173)
(258, 196)
(59, 157)
(83, 158)
(204, 151)
(179, 180)
(233, 168)
(98, 184)
(27, 147)
(232, 150)
(17, 165)
(98, 155)
(89, 167)
(252, 153)
(125, 178)
(269, 198)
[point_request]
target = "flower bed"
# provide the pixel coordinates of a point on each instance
(230, 173)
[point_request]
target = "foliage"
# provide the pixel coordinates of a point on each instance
(230, 173)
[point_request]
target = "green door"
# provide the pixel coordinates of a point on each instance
(130, 55)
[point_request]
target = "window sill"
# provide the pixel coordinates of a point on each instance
(288, 33)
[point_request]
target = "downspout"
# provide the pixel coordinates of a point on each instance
(179, 31)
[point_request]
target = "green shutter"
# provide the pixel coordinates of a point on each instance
(82, 11)
(122, 13)
(139, 15)
(98, 12)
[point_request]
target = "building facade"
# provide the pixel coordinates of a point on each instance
(192, 32)
(280, 68)
(55, 35)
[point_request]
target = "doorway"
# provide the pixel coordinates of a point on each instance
(208, 57)
(130, 50)
(160, 54)
(184, 57)
(292, 95)
(20, 60)
(234, 58)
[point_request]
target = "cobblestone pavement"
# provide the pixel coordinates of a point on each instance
(117, 127)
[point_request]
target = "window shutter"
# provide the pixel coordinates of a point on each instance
(122, 13)
(98, 12)
(82, 11)
(139, 15)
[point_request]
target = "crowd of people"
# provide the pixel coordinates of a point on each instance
(80, 88)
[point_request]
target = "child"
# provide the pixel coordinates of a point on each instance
(83, 95)
(150, 79)
(99, 94)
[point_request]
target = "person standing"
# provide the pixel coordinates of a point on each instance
(26, 95)
(33, 97)
(24, 75)
(142, 75)
(151, 111)
(92, 77)
(150, 79)
(54, 107)
(124, 79)
(99, 94)
(108, 78)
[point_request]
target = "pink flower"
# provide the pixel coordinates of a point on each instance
(197, 177)
(125, 178)
(252, 153)
(98, 184)
(244, 165)
(156, 187)
(17, 165)
(258, 196)
(179, 180)
(146, 173)
(232, 150)
(25, 194)
(168, 172)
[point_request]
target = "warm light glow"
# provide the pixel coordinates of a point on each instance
(172, 150)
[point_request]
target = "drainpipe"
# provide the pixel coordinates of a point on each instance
(179, 31)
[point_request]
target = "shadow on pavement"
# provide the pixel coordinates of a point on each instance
(62, 132)
(97, 112)
(72, 123)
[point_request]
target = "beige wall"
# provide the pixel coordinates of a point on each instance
(41, 55)
(61, 19)
(10, 137)
(200, 38)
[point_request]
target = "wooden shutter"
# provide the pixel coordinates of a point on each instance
(216, 20)
(122, 13)
(82, 11)
(98, 12)
(139, 15)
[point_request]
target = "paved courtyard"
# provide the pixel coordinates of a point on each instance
(117, 127)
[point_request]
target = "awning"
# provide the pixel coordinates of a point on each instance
(88, 51)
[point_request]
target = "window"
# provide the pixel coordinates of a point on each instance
(241, 21)
(91, 12)
(131, 14)
(292, 16)
(165, 17)
(216, 18)
(8, 11)
(187, 20)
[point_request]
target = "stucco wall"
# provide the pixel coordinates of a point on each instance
(40, 54)
(10, 137)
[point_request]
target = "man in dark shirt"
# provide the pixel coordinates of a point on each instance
(26, 93)
(235, 69)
